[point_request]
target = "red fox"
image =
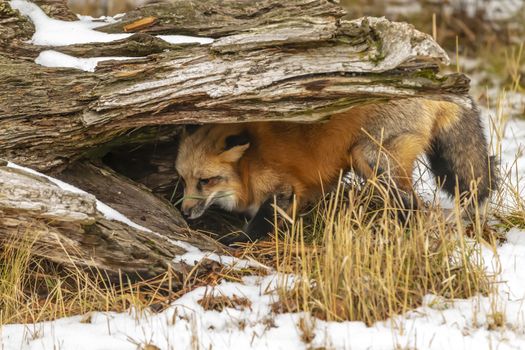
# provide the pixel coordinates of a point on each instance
(241, 167)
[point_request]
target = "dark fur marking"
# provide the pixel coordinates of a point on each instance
(192, 128)
(258, 228)
(236, 140)
(441, 168)
(460, 155)
(262, 223)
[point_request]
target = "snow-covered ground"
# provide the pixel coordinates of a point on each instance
(438, 324)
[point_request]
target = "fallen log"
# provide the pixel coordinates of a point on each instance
(301, 66)
(69, 228)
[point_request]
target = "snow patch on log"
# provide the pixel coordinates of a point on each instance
(53, 32)
(184, 39)
(100, 21)
(50, 58)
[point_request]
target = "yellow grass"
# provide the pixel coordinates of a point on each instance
(353, 264)
(32, 290)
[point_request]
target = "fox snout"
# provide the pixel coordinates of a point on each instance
(186, 208)
(193, 208)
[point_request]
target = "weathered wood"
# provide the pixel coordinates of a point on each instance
(136, 202)
(323, 66)
(35, 196)
(222, 18)
(137, 45)
(14, 30)
(67, 228)
(57, 9)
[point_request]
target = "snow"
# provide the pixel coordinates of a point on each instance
(50, 58)
(493, 10)
(103, 20)
(53, 32)
(194, 255)
(181, 39)
(439, 324)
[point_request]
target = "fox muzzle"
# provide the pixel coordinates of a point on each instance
(193, 209)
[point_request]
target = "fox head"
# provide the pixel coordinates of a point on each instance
(207, 163)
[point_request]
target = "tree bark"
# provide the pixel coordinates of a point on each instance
(304, 64)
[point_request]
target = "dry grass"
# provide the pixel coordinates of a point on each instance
(350, 263)
(33, 290)
(351, 260)
(353, 264)
(509, 201)
(14, 262)
(219, 302)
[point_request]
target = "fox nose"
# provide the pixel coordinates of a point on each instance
(187, 207)
(186, 210)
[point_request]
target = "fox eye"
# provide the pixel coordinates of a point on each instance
(209, 181)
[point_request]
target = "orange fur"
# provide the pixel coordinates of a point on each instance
(310, 157)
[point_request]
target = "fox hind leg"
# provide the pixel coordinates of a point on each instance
(390, 167)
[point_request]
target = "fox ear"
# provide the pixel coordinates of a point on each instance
(234, 154)
(234, 148)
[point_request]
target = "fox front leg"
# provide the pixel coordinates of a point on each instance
(262, 223)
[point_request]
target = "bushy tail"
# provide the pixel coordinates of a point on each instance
(459, 155)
